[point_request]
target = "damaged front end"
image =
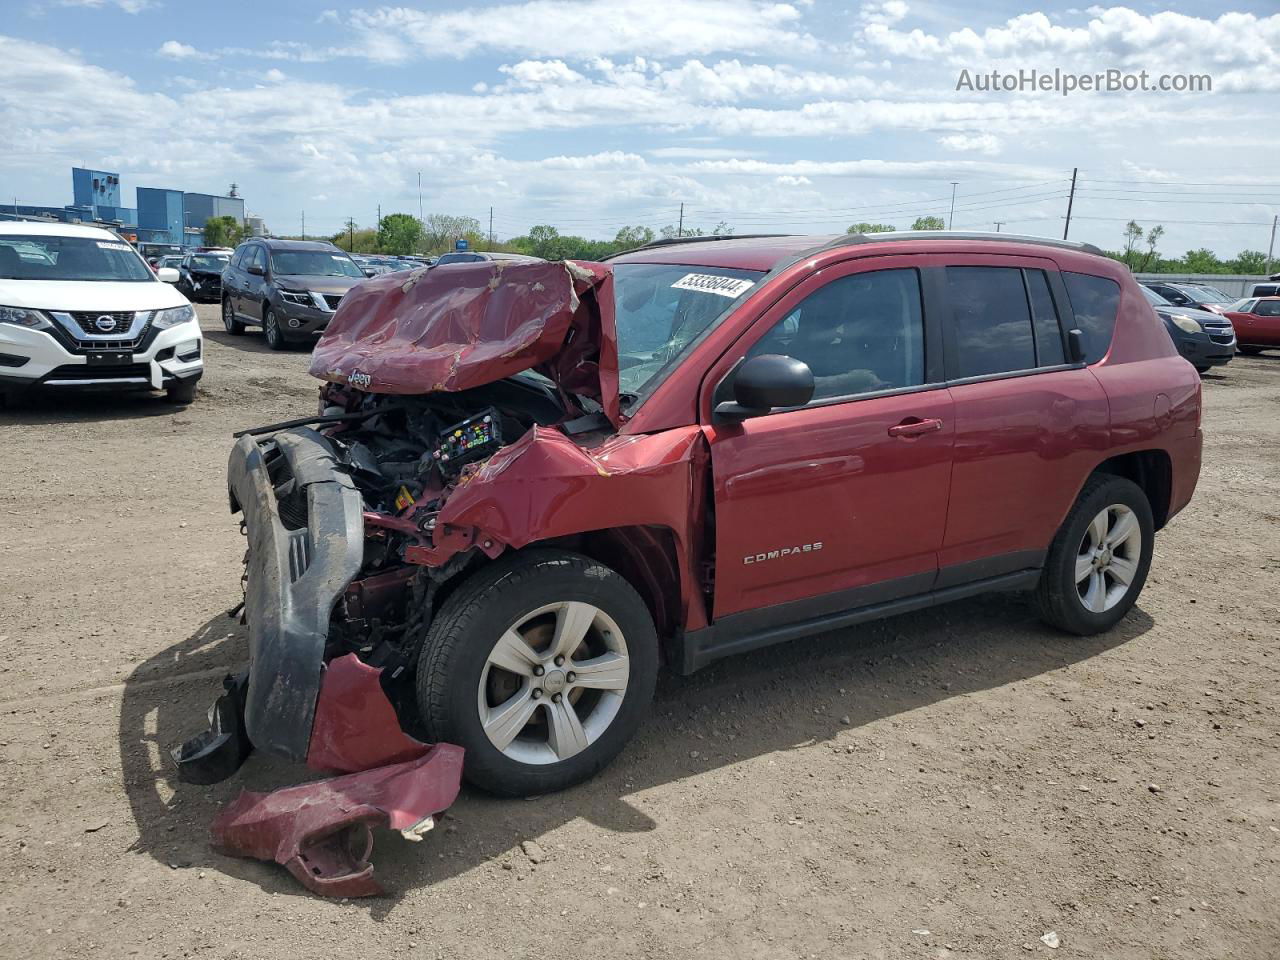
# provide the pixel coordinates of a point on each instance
(431, 379)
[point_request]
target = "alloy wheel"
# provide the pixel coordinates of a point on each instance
(1107, 559)
(553, 683)
(228, 316)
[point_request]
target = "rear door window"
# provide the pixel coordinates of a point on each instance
(1094, 300)
(991, 322)
(1267, 308)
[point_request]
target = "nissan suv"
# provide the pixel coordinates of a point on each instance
(81, 310)
(289, 288)
(530, 486)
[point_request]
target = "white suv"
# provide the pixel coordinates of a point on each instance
(80, 308)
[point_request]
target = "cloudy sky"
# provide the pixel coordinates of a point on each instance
(775, 117)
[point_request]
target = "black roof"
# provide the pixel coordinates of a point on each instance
(276, 243)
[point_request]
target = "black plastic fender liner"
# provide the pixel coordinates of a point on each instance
(294, 579)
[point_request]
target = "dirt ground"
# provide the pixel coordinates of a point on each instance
(957, 782)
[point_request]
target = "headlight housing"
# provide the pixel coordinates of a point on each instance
(1185, 323)
(301, 297)
(24, 317)
(164, 319)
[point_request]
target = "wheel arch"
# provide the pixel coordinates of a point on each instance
(1152, 471)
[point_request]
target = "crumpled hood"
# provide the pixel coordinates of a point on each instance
(320, 284)
(448, 330)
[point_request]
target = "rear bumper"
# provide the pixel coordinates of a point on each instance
(295, 576)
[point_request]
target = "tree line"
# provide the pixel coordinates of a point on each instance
(1141, 254)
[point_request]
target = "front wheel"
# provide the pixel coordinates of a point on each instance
(271, 330)
(1249, 351)
(541, 667)
(182, 392)
(1203, 370)
(1099, 559)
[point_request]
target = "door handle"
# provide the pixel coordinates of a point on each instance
(914, 427)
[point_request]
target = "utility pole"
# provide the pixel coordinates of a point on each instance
(999, 224)
(491, 226)
(680, 229)
(419, 196)
(1272, 245)
(351, 234)
(304, 224)
(1071, 198)
(378, 234)
(951, 215)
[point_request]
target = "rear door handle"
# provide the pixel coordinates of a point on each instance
(914, 427)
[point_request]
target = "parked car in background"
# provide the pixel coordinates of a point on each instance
(472, 256)
(200, 276)
(290, 288)
(1198, 296)
(1206, 339)
(1265, 290)
(743, 441)
(79, 308)
(1257, 323)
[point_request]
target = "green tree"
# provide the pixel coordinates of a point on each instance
(1151, 258)
(399, 233)
(1133, 235)
(441, 231)
(1249, 261)
(223, 232)
(356, 239)
(1202, 260)
(873, 228)
(629, 237)
(929, 223)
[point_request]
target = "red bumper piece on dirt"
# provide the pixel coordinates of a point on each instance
(322, 832)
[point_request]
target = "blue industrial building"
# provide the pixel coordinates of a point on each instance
(162, 216)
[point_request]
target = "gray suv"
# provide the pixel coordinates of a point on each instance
(290, 288)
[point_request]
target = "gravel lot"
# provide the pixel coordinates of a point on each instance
(957, 782)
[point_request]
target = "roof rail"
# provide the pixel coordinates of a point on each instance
(964, 235)
(672, 241)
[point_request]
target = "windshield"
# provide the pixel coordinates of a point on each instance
(314, 263)
(1153, 297)
(661, 308)
(69, 258)
(209, 263)
(1207, 294)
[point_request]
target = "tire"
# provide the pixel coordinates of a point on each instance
(271, 330)
(182, 392)
(1058, 594)
(1249, 351)
(457, 678)
(1203, 370)
(234, 326)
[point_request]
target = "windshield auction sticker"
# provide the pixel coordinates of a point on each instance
(731, 287)
(112, 246)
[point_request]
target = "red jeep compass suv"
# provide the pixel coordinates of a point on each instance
(530, 485)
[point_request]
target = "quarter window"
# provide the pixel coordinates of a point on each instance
(1094, 300)
(991, 322)
(1267, 308)
(863, 333)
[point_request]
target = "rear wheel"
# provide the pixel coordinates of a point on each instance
(1204, 369)
(271, 330)
(234, 326)
(1251, 351)
(541, 667)
(1099, 559)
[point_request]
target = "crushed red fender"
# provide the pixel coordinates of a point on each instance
(322, 832)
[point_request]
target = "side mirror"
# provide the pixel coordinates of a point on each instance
(1077, 346)
(256, 269)
(764, 382)
(370, 272)
(167, 275)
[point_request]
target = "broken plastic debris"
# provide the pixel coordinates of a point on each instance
(1051, 940)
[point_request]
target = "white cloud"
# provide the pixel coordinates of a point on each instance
(886, 12)
(582, 29)
(128, 6)
(176, 50)
(976, 143)
(790, 180)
